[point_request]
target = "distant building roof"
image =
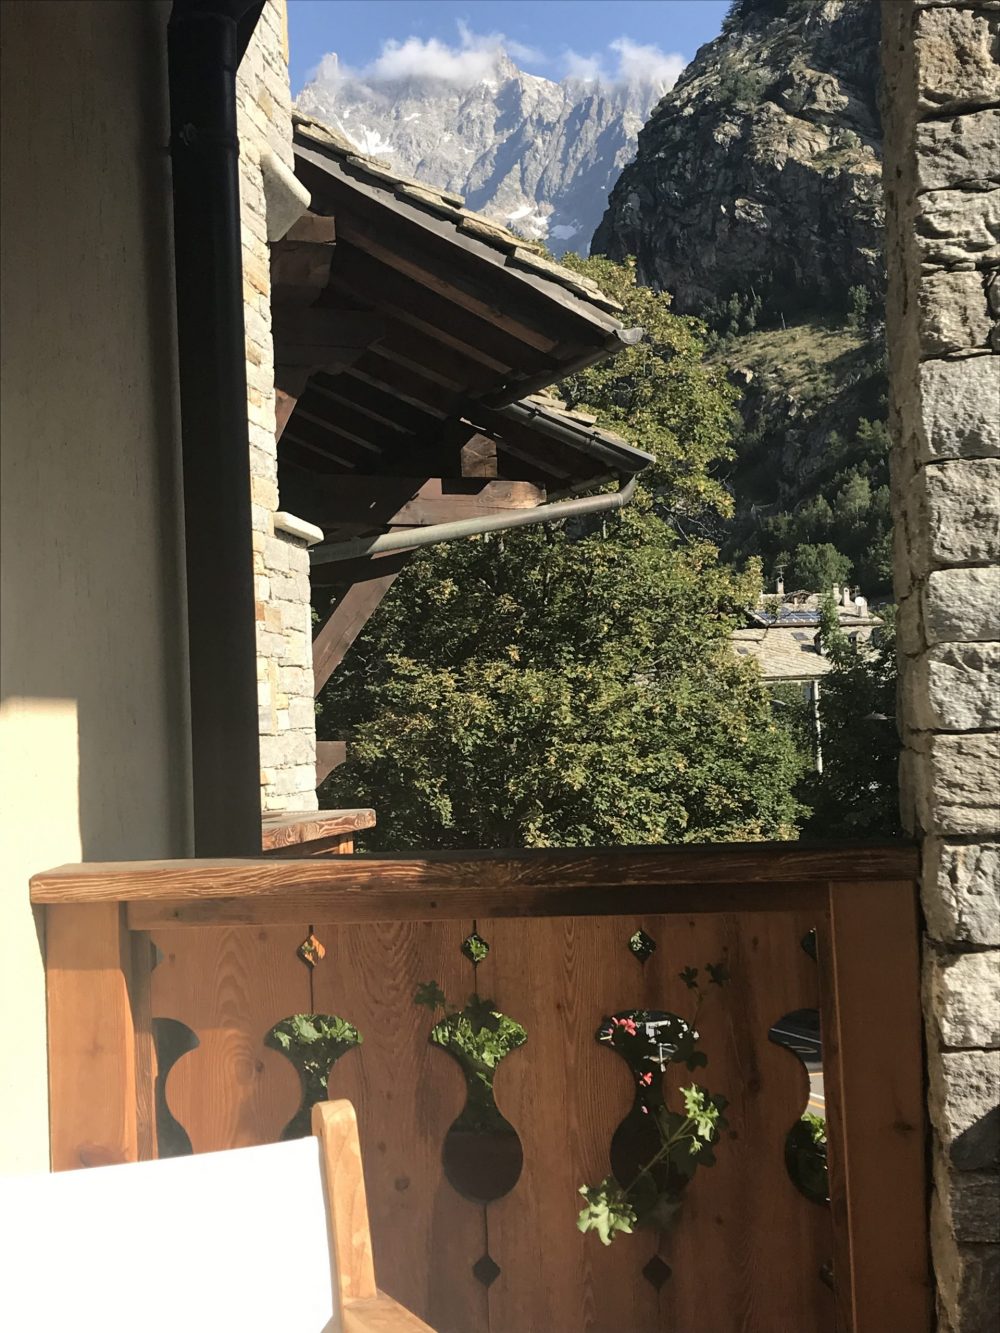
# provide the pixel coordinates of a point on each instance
(783, 633)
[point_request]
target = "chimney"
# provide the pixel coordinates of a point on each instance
(848, 602)
(861, 607)
(779, 585)
(836, 593)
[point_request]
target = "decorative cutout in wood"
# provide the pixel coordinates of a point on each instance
(642, 945)
(656, 1272)
(805, 1142)
(482, 1154)
(311, 951)
(485, 1270)
(171, 1039)
(475, 948)
(313, 1043)
(655, 1151)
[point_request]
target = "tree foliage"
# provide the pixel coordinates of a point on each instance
(574, 684)
(857, 793)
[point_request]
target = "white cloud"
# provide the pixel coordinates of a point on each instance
(587, 69)
(472, 60)
(475, 57)
(646, 64)
(634, 62)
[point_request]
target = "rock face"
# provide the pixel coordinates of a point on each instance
(536, 155)
(760, 171)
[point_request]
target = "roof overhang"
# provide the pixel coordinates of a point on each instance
(406, 327)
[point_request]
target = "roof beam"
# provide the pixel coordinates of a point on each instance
(476, 297)
(406, 385)
(345, 622)
(371, 282)
(368, 504)
(346, 193)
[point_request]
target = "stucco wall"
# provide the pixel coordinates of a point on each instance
(93, 727)
(942, 178)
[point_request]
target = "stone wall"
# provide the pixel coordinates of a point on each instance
(942, 179)
(280, 542)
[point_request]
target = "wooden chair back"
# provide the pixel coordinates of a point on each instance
(251, 1240)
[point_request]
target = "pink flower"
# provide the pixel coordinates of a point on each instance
(645, 1079)
(644, 1110)
(626, 1024)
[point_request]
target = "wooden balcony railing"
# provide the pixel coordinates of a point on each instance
(167, 982)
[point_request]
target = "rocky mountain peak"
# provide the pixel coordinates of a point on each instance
(758, 176)
(538, 155)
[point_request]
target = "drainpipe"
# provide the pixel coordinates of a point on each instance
(412, 539)
(205, 41)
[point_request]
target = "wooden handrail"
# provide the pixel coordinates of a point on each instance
(458, 883)
(287, 830)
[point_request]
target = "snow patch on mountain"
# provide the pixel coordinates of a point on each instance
(537, 155)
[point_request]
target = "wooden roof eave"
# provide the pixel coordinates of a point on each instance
(587, 319)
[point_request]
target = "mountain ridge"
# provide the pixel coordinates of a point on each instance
(537, 155)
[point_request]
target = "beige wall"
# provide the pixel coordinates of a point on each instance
(286, 709)
(93, 748)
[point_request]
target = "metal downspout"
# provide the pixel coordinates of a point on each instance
(412, 539)
(205, 39)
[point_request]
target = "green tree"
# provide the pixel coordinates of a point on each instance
(857, 794)
(817, 568)
(661, 394)
(575, 685)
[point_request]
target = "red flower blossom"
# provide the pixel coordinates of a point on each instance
(645, 1079)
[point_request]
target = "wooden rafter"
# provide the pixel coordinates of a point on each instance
(348, 195)
(346, 621)
(362, 278)
(360, 503)
(468, 293)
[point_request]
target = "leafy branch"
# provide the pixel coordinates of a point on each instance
(610, 1208)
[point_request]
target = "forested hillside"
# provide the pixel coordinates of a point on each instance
(755, 199)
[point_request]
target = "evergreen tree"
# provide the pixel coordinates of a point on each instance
(857, 793)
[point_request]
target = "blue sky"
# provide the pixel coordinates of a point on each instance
(550, 37)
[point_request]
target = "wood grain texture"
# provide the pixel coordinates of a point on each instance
(345, 622)
(381, 1314)
(747, 1247)
(877, 1121)
(290, 828)
(406, 1093)
(564, 1095)
(141, 963)
(336, 1126)
(387, 905)
(93, 1093)
(552, 872)
(230, 986)
(329, 755)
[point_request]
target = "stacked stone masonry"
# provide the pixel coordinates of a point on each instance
(942, 111)
(281, 558)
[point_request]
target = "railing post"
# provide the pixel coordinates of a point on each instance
(873, 1072)
(100, 1048)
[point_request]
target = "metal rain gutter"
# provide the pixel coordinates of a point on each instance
(205, 39)
(413, 539)
(619, 457)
